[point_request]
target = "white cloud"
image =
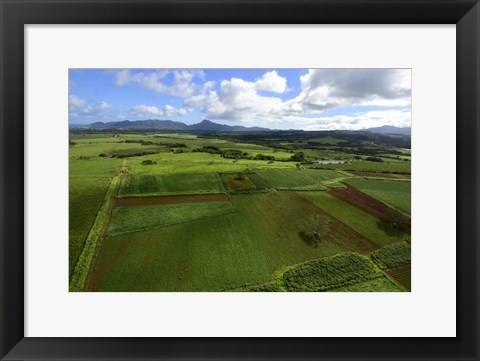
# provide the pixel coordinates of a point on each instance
(182, 84)
(166, 111)
(206, 86)
(356, 121)
(271, 82)
(263, 101)
(328, 88)
(239, 100)
(78, 107)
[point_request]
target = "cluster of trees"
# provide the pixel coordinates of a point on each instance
(301, 139)
(367, 150)
(233, 153)
(208, 149)
(264, 157)
(375, 159)
(298, 157)
(147, 142)
(126, 155)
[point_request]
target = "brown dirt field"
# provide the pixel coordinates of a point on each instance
(373, 206)
(382, 175)
(151, 201)
(399, 273)
(399, 270)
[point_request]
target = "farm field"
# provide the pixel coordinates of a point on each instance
(132, 185)
(85, 198)
(403, 276)
(235, 211)
(394, 193)
(240, 247)
(295, 178)
(379, 232)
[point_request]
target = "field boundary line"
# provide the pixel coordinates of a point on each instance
(84, 263)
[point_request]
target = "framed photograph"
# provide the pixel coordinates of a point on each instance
(239, 180)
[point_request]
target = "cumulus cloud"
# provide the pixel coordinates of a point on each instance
(182, 84)
(358, 98)
(328, 88)
(321, 89)
(355, 121)
(237, 99)
(166, 111)
(78, 107)
(271, 82)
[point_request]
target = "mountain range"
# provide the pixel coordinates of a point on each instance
(207, 125)
(155, 124)
(388, 129)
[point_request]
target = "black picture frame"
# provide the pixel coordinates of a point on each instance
(17, 13)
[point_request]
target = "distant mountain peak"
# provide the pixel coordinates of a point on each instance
(389, 129)
(156, 124)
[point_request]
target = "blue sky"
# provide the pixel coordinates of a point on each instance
(309, 99)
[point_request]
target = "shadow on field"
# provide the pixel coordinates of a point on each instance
(390, 229)
(310, 239)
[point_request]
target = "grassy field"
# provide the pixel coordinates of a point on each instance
(380, 284)
(396, 194)
(268, 231)
(364, 223)
(85, 198)
(189, 162)
(237, 181)
(186, 219)
(297, 178)
(135, 219)
(84, 263)
(169, 184)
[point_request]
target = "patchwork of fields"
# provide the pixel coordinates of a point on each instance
(184, 219)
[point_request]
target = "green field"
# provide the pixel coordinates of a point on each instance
(243, 247)
(186, 219)
(328, 273)
(141, 218)
(169, 184)
(380, 284)
(297, 178)
(393, 256)
(389, 166)
(86, 196)
(395, 193)
(364, 223)
(238, 181)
